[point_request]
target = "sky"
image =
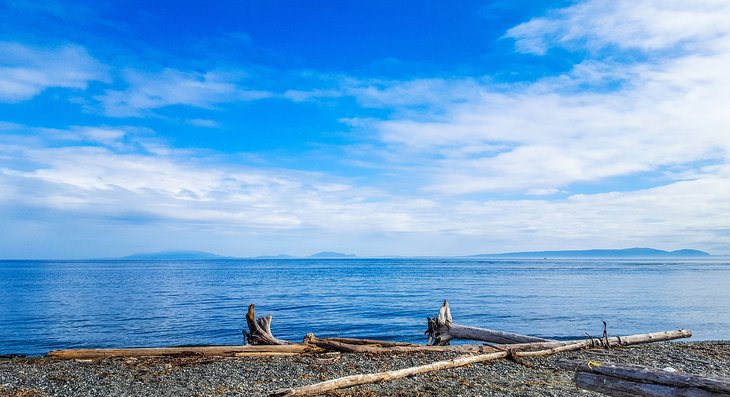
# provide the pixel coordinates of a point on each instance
(263, 127)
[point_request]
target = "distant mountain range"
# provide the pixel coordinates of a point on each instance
(602, 253)
(594, 253)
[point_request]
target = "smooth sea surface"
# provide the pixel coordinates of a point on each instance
(47, 305)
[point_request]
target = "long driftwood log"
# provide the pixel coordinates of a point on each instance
(354, 380)
(552, 348)
(216, 351)
(624, 379)
(259, 330)
(441, 330)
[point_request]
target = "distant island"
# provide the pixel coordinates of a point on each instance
(592, 253)
(329, 254)
(602, 253)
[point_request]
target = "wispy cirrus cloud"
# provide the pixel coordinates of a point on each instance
(147, 91)
(646, 25)
(26, 71)
(115, 178)
(602, 119)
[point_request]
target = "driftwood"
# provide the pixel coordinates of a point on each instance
(358, 341)
(353, 380)
(259, 330)
(623, 379)
(219, 351)
(348, 345)
(441, 330)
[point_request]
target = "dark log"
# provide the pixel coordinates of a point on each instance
(381, 347)
(358, 341)
(441, 330)
(260, 330)
(617, 387)
(610, 374)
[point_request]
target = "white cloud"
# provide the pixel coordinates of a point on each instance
(189, 194)
(432, 93)
(26, 71)
(602, 119)
(207, 123)
(174, 87)
(446, 139)
(645, 25)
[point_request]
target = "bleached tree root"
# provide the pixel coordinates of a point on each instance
(441, 330)
(556, 347)
(634, 380)
(259, 330)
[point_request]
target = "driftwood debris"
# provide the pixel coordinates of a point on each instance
(259, 330)
(351, 345)
(441, 330)
(519, 351)
(624, 380)
(217, 351)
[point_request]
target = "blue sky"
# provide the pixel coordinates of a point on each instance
(375, 128)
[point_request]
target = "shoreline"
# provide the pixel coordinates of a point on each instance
(258, 376)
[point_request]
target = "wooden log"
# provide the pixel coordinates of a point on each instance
(640, 374)
(605, 342)
(441, 330)
(358, 341)
(334, 344)
(617, 387)
(217, 351)
(353, 380)
(260, 330)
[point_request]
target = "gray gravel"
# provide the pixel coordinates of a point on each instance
(246, 376)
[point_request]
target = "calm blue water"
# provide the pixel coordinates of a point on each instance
(46, 305)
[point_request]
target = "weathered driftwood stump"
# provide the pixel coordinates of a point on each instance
(441, 330)
(259, 330)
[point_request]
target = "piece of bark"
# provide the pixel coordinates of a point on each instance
(441, 330)
(259, 330)
(637, 373)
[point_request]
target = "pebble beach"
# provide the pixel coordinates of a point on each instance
(259, 376)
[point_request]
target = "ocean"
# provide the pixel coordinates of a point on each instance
(48, 305)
